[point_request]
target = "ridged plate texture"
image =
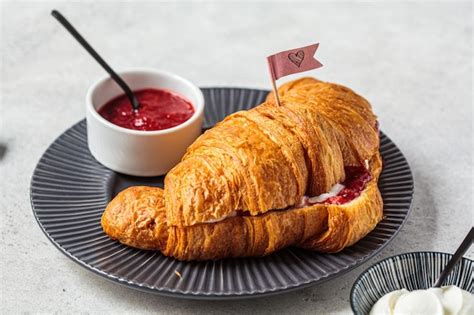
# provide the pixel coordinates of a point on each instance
(70, 189)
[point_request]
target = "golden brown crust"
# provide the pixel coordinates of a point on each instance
(222, 199)
(248, 172)
(321, 227)
(137, 217)
(253, 160)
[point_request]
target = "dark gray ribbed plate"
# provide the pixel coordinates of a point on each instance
(70, 189)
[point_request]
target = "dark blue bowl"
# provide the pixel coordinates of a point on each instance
(412, 271)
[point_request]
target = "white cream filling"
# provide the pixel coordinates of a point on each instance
(335, 190)
(229, 215)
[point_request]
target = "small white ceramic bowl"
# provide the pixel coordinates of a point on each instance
(135, 152)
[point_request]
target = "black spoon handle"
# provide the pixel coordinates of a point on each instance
(97, 57)
(466, 243)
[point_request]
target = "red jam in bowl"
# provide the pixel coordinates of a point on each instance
(159, 109)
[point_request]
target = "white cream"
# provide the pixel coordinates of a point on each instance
(229, 215)
(386, 304)
(335, 190)
(304, 201)
(449, 300)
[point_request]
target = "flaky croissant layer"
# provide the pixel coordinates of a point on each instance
(236, 189)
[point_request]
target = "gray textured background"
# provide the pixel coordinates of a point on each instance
(413, 61)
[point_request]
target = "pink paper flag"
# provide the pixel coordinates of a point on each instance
(293, 61)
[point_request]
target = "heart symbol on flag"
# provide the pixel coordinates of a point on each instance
(296, 58)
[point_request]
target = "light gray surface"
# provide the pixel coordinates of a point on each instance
(412, 61)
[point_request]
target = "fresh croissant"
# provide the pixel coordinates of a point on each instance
(300, 174)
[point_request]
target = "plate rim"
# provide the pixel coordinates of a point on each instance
(231, 296)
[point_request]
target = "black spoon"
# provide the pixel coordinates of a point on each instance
(95, 55)
(466, 243)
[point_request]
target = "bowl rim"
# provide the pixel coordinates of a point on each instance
(359, 278)
(198, 107)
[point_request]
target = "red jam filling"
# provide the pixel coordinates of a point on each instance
(356, 179)
(159, 109)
